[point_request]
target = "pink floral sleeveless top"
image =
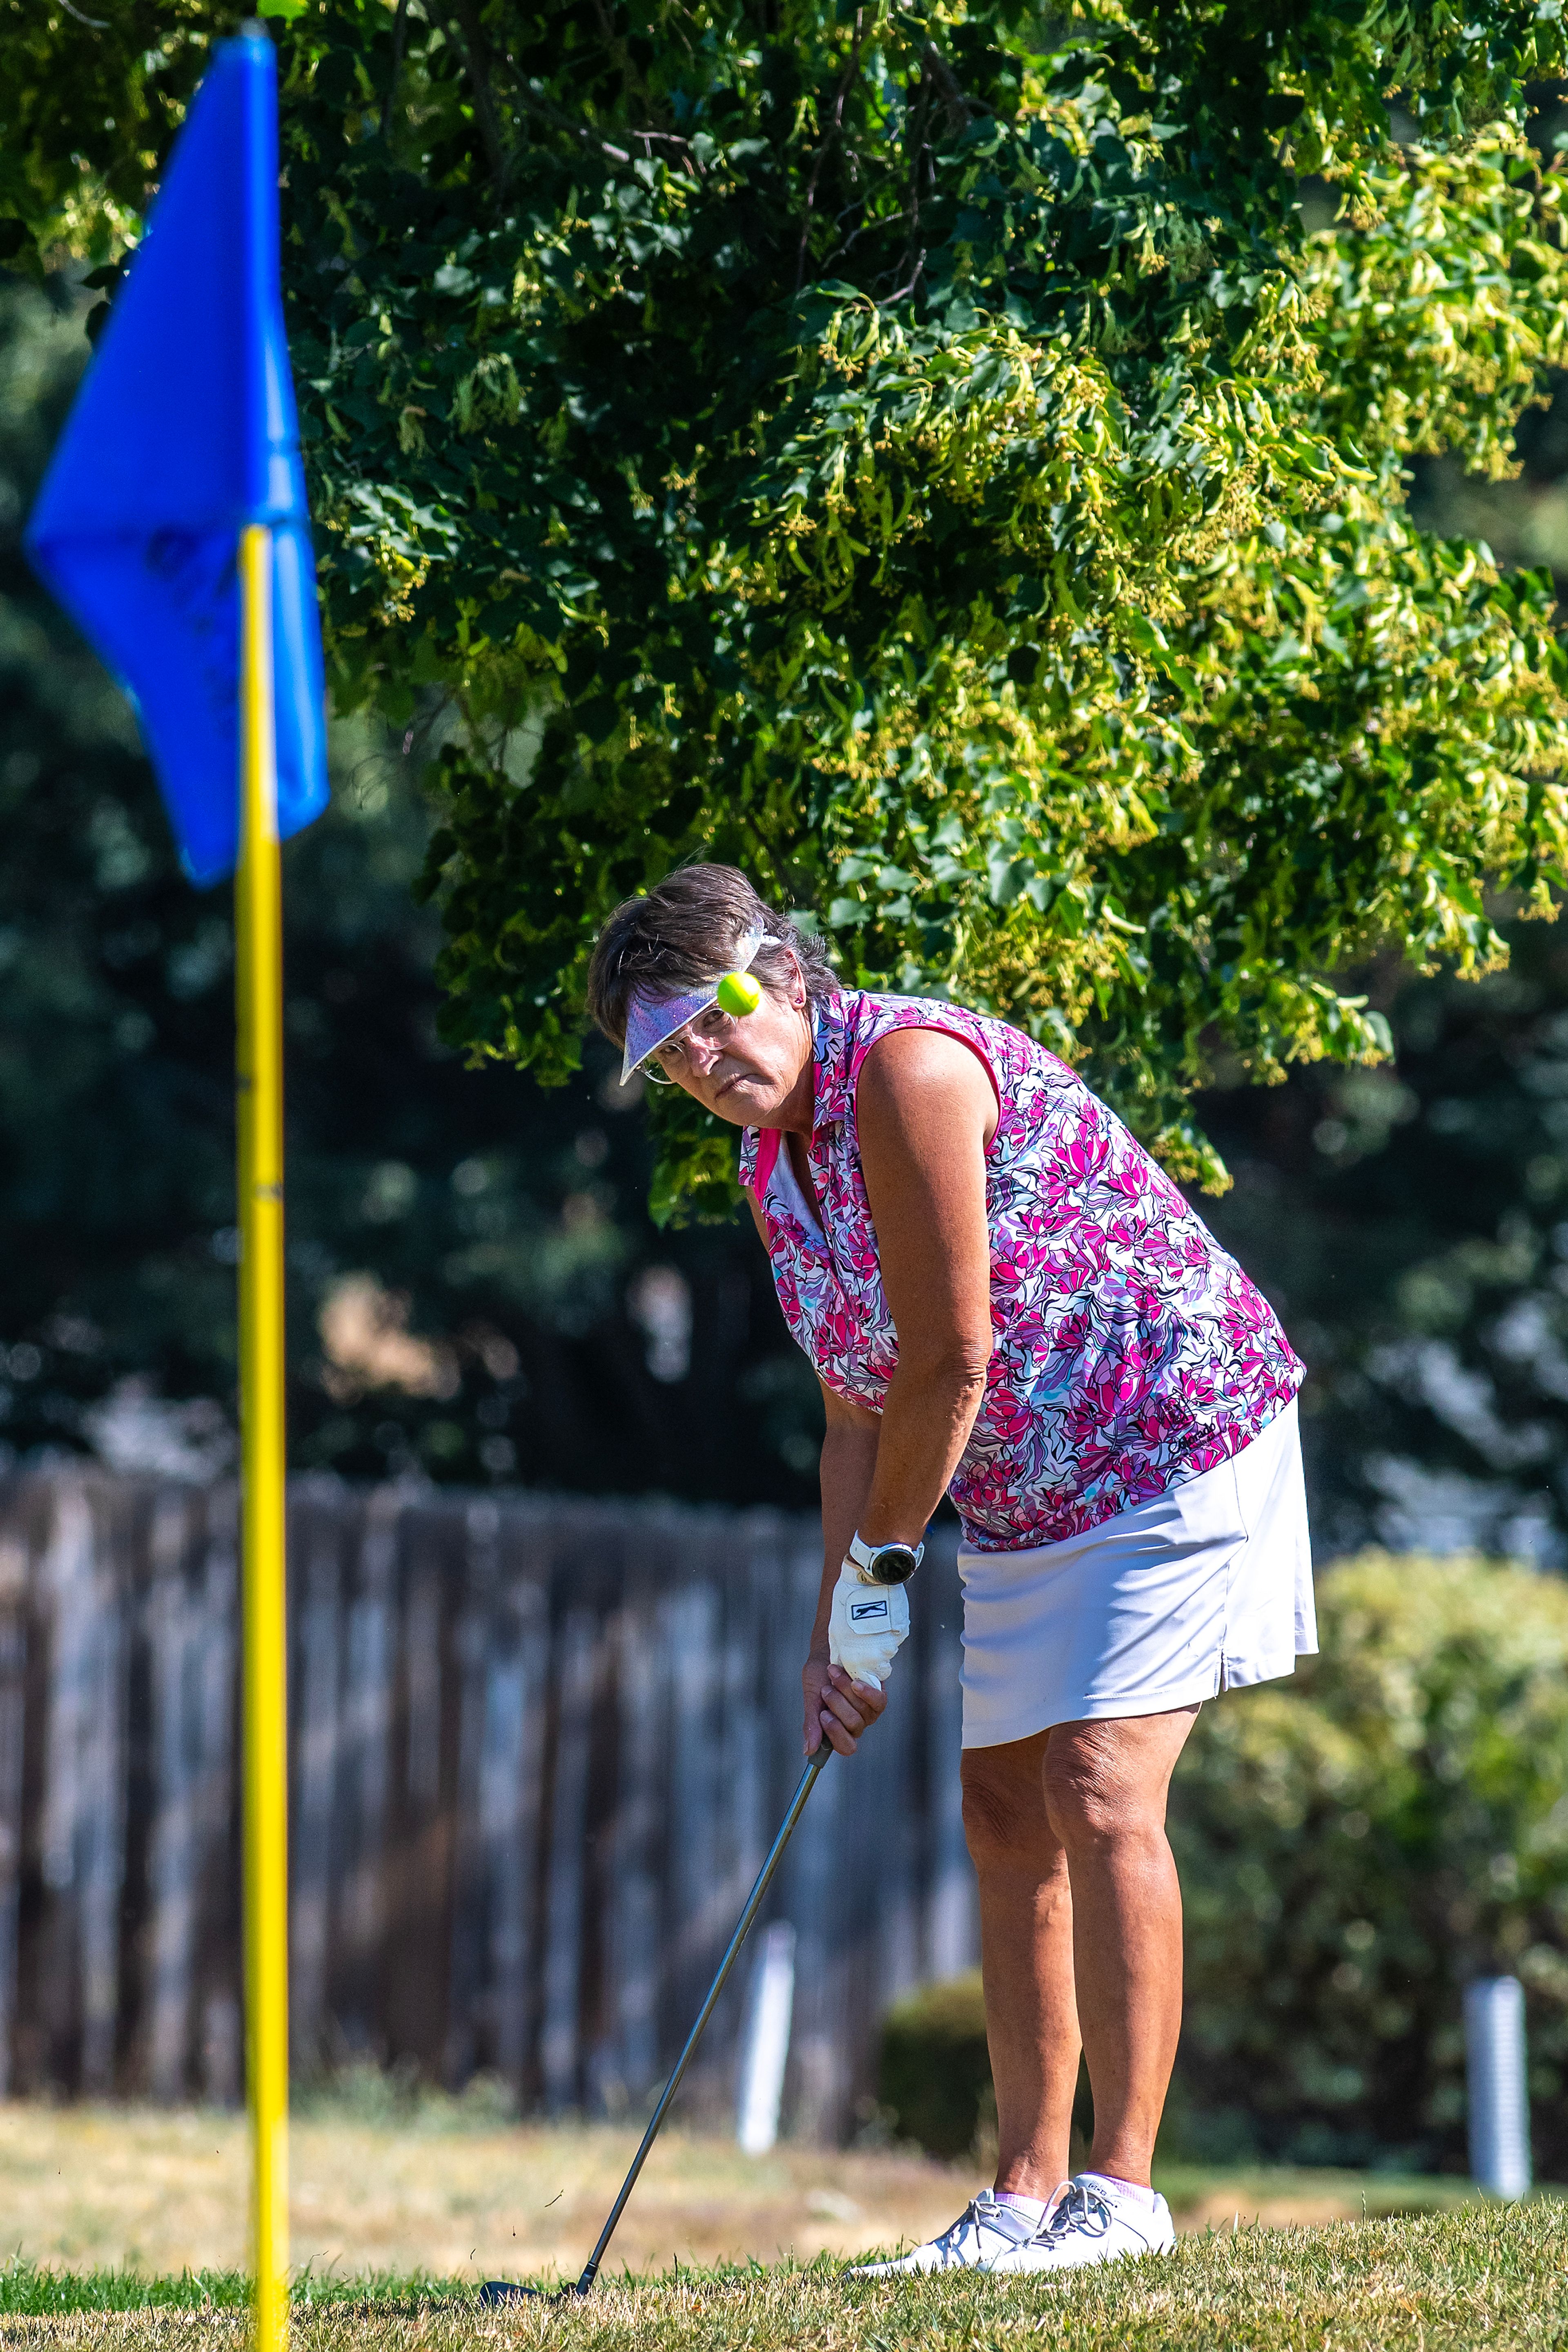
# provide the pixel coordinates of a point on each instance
(1129, 1352)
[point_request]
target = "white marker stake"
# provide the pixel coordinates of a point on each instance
(764, 2043)
(1497, 2091)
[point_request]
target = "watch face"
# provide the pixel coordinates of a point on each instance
(892, 1564)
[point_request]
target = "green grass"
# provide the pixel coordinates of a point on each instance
(1486, 2276)
(1380, 2196)
(33, 2291)
(27, 2290)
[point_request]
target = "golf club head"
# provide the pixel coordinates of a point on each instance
(502, 2291)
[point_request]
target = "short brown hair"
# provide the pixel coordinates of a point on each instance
(686, 931)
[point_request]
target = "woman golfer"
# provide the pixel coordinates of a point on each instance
(1005, 1301)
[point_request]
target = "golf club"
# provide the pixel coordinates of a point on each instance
(502, 2290)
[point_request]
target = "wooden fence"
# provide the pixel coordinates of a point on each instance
(537, 1748)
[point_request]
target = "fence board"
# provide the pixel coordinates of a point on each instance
(538, 1746)
(13, 1721)
(317, 1705)
(634, 1949)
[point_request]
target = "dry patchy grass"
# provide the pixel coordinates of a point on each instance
(443, 2188)
(438, 2192)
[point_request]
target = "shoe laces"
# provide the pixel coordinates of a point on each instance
(1002, 2220)
(1082, 2211)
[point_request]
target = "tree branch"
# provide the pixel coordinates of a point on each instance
(467, 37)
(902, 293)
(553, 115)
(399, 32)
(959, 106)
(919, 151)
(835, 123)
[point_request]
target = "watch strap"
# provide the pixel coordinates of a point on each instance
(863, 1554)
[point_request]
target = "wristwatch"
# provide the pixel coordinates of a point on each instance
(889, 1563)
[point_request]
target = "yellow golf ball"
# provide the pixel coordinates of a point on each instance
(737, 994)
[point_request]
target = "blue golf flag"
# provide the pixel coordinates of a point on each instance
(185, 432)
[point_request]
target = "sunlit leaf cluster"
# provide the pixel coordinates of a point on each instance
(946, 457)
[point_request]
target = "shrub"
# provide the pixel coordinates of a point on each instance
(936, 2077)
(1355, 1846)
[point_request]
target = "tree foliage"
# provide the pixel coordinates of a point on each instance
(88, 107)
(930, 455)
(1411, 1222)
(474, 1291)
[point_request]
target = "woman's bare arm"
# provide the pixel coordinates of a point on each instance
(926, 1111)
(849, 1464)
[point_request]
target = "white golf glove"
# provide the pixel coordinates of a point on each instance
(868, 1625)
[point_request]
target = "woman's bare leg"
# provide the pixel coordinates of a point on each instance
(1026, 1959)
(1081, 1927)
(1105, 1790)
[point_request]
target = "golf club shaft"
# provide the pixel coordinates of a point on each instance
(753, 1904)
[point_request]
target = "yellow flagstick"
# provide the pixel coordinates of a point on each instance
(258, 928)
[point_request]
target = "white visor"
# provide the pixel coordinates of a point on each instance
(652, 1021)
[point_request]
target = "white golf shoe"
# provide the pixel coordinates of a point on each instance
(1083, 2226)
(983, 2233)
